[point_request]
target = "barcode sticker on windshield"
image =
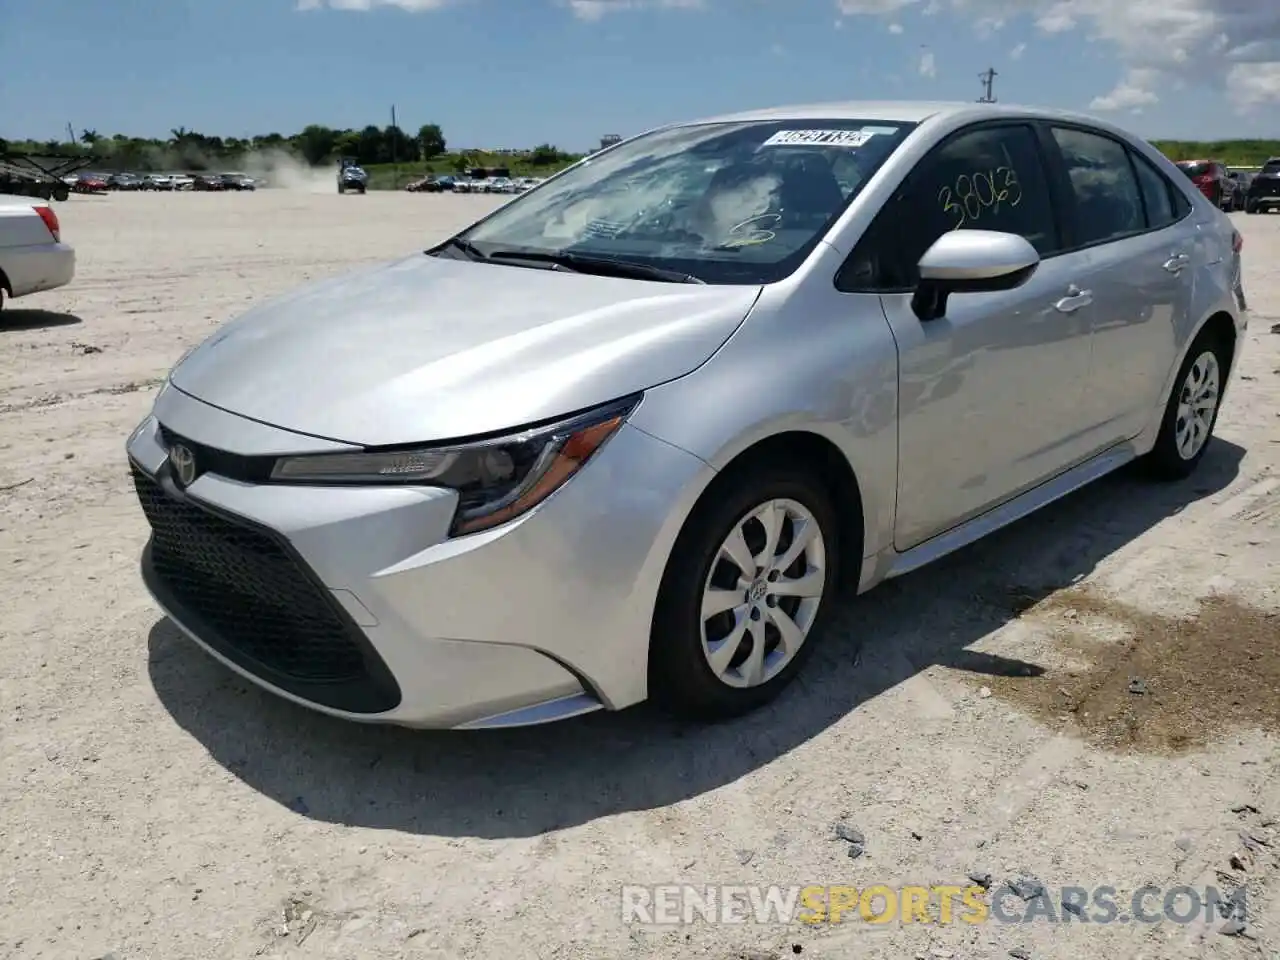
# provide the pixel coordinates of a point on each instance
(819, 138)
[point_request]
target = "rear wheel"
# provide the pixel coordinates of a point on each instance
(749, 583)
(1192, 411)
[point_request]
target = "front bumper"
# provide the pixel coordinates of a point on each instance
(353, 600)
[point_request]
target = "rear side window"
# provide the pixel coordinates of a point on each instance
(1108, 201)
(989, 178)
(1157, 193)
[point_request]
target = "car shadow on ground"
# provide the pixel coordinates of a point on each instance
(14, 319)
(521, 783)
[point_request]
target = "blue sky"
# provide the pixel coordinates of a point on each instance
(497, 73)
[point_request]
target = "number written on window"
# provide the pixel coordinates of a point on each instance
(975, 194)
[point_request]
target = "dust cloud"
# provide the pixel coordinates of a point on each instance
(284, 171)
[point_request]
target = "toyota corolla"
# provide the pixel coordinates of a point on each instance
(628, 435)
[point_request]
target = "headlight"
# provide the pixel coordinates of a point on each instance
(496, 479)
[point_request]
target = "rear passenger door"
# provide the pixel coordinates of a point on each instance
(1136, 231)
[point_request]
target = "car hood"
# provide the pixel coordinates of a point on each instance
(431, 348)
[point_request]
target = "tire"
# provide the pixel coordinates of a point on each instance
(61, 193)
(341, 189)
(1166, 461)
(681, 677)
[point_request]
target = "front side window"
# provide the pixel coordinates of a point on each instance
(991, 178)
(1108, 201)
(738, 202)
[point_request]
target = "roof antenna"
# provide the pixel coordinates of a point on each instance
(988, 78)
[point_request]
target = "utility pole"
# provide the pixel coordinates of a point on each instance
(988, 78)
(395, 135)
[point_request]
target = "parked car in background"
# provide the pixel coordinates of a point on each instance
(1240, 180)
(182, 181)
(467, 185)
(209, 182)
(157, 181)
(500, 185)
(1211, 179)
(420, 185)
(90, 183)
(1264, 190)
(346, 486)
(32, 255)
(237, 181)
(124, 181)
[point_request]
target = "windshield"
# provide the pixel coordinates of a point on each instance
(726, 202)
(1271, 167)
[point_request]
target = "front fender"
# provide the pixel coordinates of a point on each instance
(807, 358)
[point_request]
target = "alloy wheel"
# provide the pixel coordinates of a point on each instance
(762, 595)
(1197, 404)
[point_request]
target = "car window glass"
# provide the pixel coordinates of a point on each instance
(1157, 196)
(727, 202)
(1108, 201)
(991, 178)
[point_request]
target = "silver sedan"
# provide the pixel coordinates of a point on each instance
(628, 435)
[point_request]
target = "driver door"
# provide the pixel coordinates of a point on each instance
(989, 395)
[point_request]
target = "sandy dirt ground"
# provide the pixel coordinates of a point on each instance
(1090, 698)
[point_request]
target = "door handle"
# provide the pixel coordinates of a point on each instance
(1074, 300)
(1176, 262)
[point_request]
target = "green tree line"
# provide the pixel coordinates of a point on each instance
(315, 144)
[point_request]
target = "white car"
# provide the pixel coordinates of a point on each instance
(32, 254)
(180, 181)
(157, 181)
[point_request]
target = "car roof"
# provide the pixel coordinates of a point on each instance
(902, 111)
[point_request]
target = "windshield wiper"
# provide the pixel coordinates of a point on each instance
(457, 243)
(604, 266)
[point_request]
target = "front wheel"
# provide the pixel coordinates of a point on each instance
(1192, 411)
(748, 585)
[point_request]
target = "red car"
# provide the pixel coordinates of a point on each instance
(1212, 179)
(90, 183)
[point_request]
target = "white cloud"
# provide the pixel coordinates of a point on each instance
(1017, 52)
(928, 65)
(1132, 92)
(595, 9)
(1156, 42)
(895, 28)
(1255, 83)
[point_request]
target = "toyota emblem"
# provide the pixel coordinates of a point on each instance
(184, 464)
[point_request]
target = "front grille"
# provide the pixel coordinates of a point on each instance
(243, 592)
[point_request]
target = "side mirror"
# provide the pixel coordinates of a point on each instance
(971, 261)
